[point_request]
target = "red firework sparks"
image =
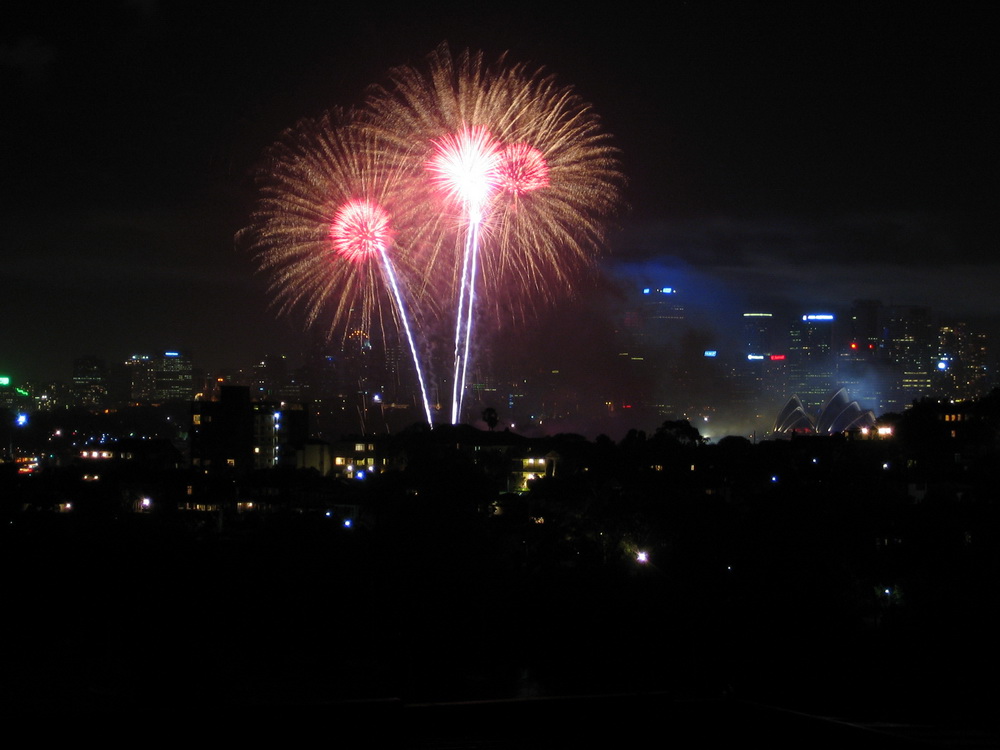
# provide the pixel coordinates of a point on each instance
(464, 165)
(521, 169)
(360, 229)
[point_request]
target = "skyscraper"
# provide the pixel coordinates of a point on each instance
(90, 381)
(811, 357)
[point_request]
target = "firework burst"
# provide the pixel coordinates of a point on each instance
(469, 174)
(554, 179)
(331, 208)
(526, 163)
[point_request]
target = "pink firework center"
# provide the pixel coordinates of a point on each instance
(521, 169)
(360, 230)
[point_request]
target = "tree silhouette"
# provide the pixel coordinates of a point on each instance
(680, 430)
(490, 417)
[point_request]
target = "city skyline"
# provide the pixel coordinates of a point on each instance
(664, 364)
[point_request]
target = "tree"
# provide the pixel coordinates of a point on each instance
(682, 431)
(490, 417)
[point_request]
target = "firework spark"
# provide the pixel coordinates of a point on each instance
(329, 212)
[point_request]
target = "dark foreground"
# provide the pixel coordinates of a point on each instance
(431, 628)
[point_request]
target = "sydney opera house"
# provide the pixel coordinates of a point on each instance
(838, 414)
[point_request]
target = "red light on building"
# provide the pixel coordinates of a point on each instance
(777, 357)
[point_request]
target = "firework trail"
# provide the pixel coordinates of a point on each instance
(330, 209)
(464, 166)
(525, 181)
(361, 230)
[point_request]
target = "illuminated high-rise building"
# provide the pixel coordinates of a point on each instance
(139, 372)
(90, 381)
(961, 366)
(172, 377)
(910, 343)
(759, 369)
(812, 365)
(160, 378)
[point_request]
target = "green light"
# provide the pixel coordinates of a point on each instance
(4, 380)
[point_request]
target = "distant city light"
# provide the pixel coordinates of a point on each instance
(818, 316)
(347, 523)
(22, 420)
(777, 357)
(711, 353)
(755, 356)
(642, 558)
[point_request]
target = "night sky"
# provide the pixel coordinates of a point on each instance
(777, 157)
